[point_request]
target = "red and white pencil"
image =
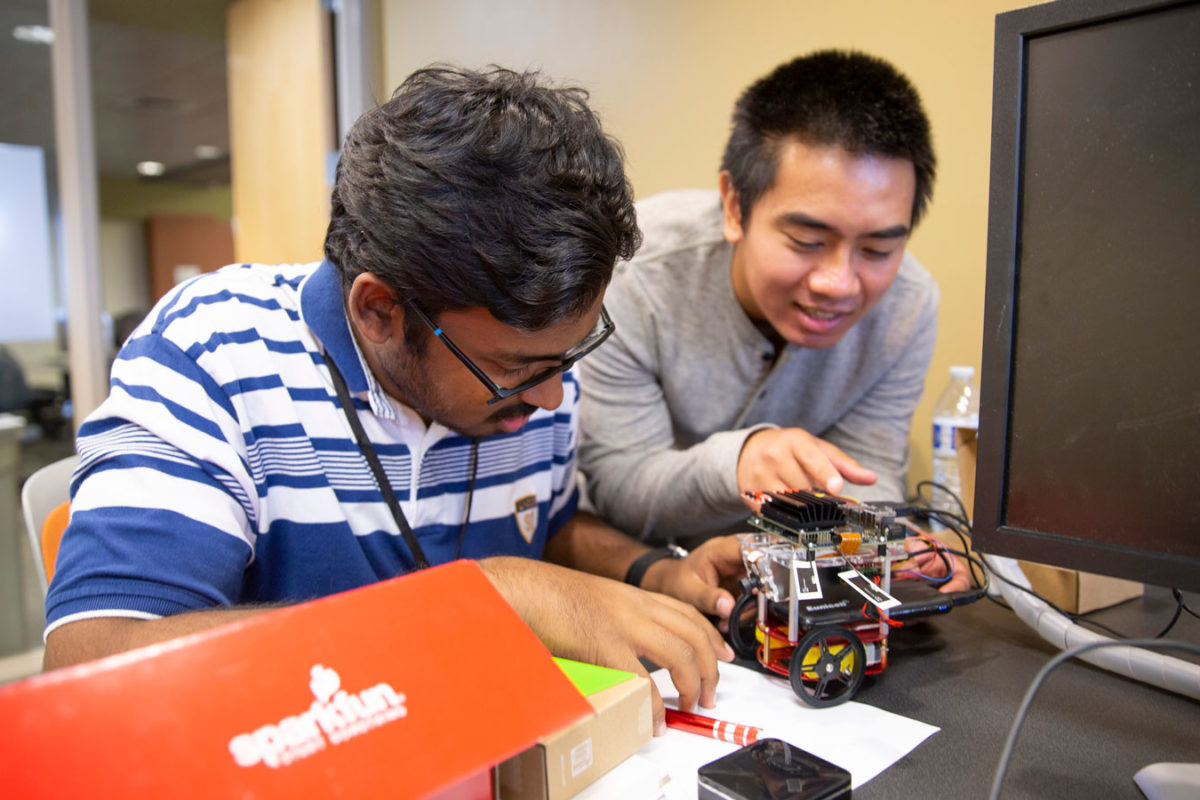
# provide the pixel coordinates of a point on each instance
(731, 732)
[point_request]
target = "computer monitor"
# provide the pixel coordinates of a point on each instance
(1089, 451)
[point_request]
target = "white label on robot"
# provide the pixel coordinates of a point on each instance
(867, 588)
(808, 585)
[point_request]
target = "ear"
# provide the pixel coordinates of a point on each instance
(731, 210)
(373, 309)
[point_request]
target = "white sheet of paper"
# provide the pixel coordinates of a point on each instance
(861, 738)
(636, 778)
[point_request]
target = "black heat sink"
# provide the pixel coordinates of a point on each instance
(803, 510)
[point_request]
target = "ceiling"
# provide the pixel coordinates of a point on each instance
(158, 85)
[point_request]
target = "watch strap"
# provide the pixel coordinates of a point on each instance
(637, 570)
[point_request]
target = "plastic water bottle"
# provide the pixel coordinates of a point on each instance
(957, 407)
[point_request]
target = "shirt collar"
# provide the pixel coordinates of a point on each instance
(324, 310)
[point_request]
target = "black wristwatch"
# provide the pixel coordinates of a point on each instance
(637, 570)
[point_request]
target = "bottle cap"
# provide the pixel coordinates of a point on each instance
(962, 373)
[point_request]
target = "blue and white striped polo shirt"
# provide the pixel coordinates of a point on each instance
(221, 469)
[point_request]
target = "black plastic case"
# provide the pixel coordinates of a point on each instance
(772, 769)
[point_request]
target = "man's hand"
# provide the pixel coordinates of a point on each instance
(704, 579)
(930, 563)
(792, 458)
(601, 621)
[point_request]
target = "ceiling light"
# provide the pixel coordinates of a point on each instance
(151, 168)
(38, 34)
(208, 152)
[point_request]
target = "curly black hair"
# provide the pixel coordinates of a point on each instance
(483, 189)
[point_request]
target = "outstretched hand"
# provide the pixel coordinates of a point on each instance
(601, 621)
(774, 459)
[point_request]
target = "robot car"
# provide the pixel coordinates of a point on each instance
(819, 567)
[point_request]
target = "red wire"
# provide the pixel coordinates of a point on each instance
(892, 623)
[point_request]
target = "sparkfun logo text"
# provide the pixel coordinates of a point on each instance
(334, 717)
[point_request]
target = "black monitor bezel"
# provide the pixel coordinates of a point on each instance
(1014, 29)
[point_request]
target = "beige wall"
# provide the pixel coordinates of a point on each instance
(124, 268)
(664, 75)
(123, 197)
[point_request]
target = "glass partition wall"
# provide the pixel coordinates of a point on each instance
(154, 75)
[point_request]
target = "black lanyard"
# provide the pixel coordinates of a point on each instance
(368, 451)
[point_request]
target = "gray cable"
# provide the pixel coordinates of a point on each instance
(1166, 672)
(1023, 710)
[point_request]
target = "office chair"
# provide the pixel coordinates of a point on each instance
(44, 501)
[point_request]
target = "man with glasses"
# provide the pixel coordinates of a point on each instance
(278, 433)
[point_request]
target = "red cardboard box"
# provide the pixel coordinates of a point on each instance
(410, 688)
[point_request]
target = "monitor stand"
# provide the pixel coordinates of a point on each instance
(1169, 781)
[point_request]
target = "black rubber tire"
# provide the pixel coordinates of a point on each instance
(835, 676)
(741, 634)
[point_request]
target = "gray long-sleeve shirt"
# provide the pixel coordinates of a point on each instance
(669, 400)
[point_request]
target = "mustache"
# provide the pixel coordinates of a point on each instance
(510, 412)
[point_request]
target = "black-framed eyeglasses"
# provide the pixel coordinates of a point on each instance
(602, 331)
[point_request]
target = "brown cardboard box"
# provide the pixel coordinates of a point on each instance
(966, 445)
(1078, 592)
(562, 764)
(1071, 590)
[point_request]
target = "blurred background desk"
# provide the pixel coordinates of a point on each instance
(1087, 732)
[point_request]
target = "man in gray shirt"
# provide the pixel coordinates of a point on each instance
(775, 334)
